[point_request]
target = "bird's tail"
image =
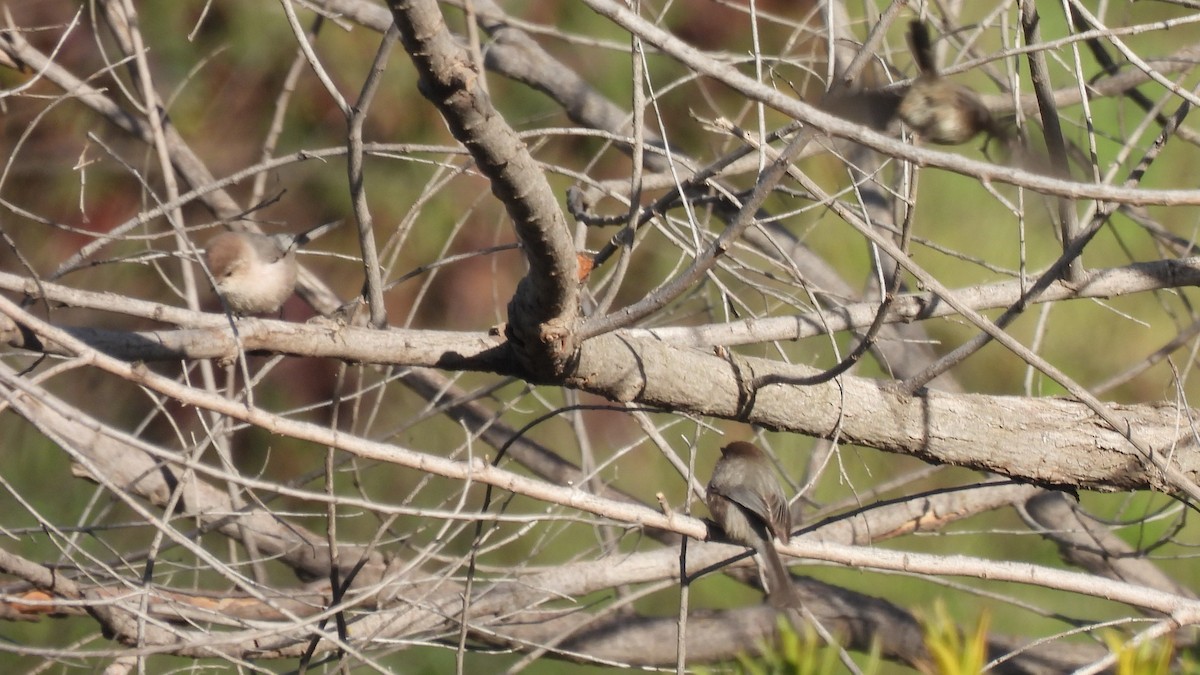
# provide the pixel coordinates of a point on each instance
(781, 591)
(312, 233)
(922, 47)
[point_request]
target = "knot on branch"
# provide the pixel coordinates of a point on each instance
(544, 343)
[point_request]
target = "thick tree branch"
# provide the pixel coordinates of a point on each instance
(1042, 440)
(543, 311)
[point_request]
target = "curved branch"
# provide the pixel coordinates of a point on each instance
(543, 311)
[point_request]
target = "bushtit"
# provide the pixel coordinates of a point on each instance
(746, 500)
(256, 273)
(936, 109)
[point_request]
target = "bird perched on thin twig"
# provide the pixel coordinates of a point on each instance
(256, 273)
(747, 502)
(934, 108)
(938, 110)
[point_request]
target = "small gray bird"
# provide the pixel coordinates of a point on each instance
(746, 500)
(256, 273)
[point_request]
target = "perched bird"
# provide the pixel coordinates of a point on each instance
(256, 273)
(938, 110)
(746, 500)
(934, 108)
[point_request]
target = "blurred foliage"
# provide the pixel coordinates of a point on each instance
(955, 651)
(1154, 657)
(796, 653)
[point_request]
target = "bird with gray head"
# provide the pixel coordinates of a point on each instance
(255, 273)
(746, 500)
